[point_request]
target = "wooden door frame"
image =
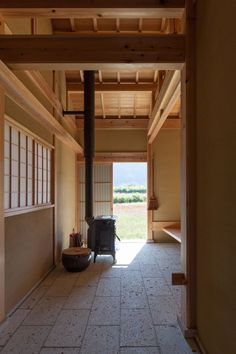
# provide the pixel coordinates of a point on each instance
(188, 318)
(2, 220)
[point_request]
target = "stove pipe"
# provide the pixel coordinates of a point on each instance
(89, 140)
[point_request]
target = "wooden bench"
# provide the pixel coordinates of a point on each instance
(174, 230)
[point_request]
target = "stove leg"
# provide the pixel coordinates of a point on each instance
(114, 257)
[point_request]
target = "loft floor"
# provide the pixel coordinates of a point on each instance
(125, 308)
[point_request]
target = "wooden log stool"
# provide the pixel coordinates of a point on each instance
(76, 259)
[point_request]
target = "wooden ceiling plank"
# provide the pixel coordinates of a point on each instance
(16, 90)
(96, 8)
(26, 51)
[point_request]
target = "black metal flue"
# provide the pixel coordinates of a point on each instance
(89, 141)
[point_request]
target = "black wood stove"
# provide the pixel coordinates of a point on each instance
(102, 235)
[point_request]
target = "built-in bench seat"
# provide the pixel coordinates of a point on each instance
(174, 230)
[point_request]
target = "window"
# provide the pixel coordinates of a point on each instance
(27, 170)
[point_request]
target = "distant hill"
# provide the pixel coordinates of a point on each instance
(130, 174)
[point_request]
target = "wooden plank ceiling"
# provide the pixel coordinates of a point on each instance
(122, 95)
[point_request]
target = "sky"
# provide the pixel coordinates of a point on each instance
(130, 174)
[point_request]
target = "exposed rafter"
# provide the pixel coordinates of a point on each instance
(96, 8)
(58, 52)
(171, 81)
(108, 157)
(117, 123)
(128, 123)
(16, 90)
(119, 87)
(164, 114)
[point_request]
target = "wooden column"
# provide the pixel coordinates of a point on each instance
(2, 229)
(149, 191)
(188, 177)
(56, 252)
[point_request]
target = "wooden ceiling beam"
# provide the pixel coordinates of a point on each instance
(127, 123)
(171, 81)
(118, 87)
(116, 124)
(165, 113)
(58, 52)
(16, 90)
(95, 9)
(108, 157)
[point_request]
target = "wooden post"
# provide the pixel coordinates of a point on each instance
(149, 191)
(188, 178)
(54, 183)
(2, 229)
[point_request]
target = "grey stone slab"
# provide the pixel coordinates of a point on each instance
(33, 298)
(49, 280)
(61, 287)
(156, 286)
(110, 271)
(134, 265)
(140, 350)
(132, 279)
(80, 298)
(101, 340)
(11, 324)
(105, 311)
(69, 329)
(88, 279)
(27, 340)
(171, 340)
(45, 312)
(134, 298)
(60, 351)
(163, 310)
(151, 271)
(108, 287)
(136, 328)
(147, 259)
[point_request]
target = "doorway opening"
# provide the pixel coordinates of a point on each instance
(130, 200)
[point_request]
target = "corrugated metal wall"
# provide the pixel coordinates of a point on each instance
(103, 194)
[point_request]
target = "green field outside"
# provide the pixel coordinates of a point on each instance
(131, 221)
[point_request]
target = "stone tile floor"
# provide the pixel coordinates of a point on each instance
(125, 308)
